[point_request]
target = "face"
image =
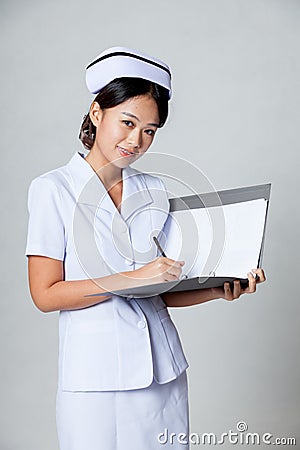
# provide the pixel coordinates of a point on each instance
(124, 132)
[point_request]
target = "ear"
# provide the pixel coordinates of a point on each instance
(95, 114)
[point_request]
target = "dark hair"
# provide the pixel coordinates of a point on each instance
(118, 91)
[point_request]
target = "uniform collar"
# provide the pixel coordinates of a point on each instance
(89, 189)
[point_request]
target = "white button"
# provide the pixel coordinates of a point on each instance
(128, 262)
(123, 227)
(141, 324)
(130, 297)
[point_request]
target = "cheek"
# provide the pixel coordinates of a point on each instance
(148, 141)
(105, 138)
(113, 132)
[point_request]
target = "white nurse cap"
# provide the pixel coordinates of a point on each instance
(119, 62)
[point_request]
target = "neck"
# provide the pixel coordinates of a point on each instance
(108, 173)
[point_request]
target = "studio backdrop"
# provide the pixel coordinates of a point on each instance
(234, 121)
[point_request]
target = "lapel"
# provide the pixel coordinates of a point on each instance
(136, 194)
(104, 251)
(89, 189)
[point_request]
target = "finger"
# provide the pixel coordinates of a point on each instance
(227, 292)
(164, 260)
(260, 274)
(237, 290)
(170, 277)
(172, 267)
(169, 269)
(252, 283)
(174, 271)
(171, 274)
(172, 262)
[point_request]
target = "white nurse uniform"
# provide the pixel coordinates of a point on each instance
(122, 376)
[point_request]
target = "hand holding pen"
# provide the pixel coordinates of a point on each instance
(160, 270)
(156, 241)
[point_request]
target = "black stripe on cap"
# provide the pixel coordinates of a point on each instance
(132, 55)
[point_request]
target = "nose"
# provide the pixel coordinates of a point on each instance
(135, 138)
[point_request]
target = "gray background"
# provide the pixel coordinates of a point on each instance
(234, 115)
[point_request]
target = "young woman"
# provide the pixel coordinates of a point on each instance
(122, 371)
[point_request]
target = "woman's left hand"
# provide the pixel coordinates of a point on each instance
(237, 290)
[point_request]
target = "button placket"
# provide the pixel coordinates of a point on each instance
(123, 242)
(129, 260)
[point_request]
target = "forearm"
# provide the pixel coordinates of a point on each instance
(188, 298)
(69, 295)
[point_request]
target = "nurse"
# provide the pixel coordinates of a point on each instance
(122, 371)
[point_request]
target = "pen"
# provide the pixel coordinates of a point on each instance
(161, 251)
(159, 246)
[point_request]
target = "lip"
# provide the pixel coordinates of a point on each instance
(125, 153)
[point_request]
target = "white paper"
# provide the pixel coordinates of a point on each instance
(217, 241)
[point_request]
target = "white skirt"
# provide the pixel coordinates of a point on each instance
(140, 419)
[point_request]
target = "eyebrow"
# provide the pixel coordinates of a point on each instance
(135, 117)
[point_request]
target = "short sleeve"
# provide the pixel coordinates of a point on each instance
(46, 229)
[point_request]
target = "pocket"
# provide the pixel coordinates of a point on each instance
(90, 357)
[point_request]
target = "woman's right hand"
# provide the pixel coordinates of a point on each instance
(160, 270)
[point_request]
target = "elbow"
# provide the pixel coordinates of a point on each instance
(42, 306)
(41, 302)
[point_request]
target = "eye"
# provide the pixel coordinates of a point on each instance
(128, 123)
(150, 132)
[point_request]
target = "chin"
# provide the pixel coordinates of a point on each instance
(121, 163)
(125, 161)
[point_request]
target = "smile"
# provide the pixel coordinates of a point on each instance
(124, 152)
